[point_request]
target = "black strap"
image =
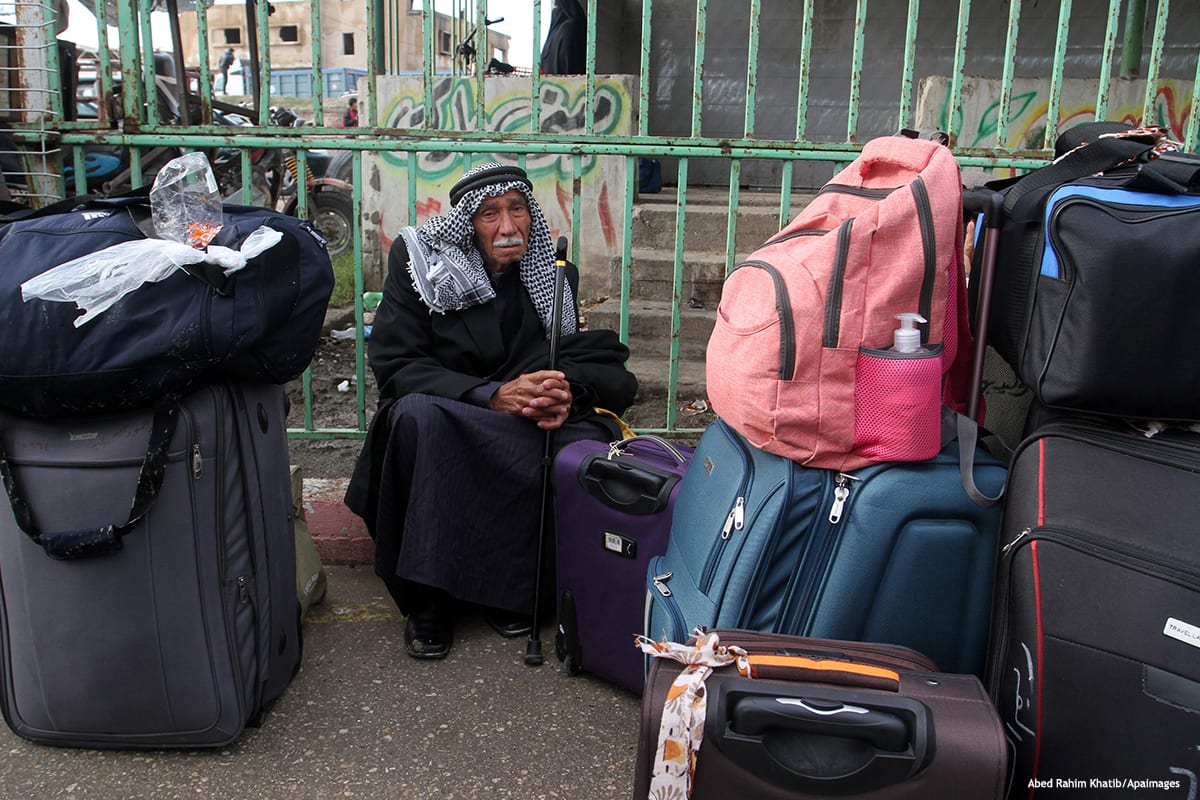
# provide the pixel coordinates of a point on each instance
(1086, 133)
(1100, 155)
(106, 539)
(967, 430)
(1170, 173)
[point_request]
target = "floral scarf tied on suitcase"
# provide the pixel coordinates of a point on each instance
(685, 710)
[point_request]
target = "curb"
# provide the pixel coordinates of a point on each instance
(340, 535)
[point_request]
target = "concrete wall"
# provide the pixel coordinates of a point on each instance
(602, 179)
(1030, 103)
(726, 64)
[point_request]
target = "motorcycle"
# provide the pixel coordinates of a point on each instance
(330, 198)
(274, 172)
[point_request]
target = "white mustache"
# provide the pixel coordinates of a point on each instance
(508, 241)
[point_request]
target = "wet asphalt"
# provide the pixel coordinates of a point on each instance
(363, 720)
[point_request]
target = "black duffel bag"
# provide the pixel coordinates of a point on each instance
(260, 323)
(1096, 280)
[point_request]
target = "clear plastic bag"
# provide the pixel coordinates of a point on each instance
(185, 202)
(98, 280)
(186, 208)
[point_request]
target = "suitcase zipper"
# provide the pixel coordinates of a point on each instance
(816, 555)
(666, 601)
(1139, 213)
(1117, 552)
(841, 493)
(1101, 547)
(735, 519)
(1175, 449)
(233, 429)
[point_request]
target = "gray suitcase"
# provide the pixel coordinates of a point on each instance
(173, 624)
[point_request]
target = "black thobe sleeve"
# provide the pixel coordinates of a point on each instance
(404, 351)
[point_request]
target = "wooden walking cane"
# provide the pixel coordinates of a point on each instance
(533, 648)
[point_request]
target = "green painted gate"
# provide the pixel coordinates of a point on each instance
(748, 104)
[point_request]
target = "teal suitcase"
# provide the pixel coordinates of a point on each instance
(894, 553)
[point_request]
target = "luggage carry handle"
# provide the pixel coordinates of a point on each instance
(632, 487)
(106, 539)
(874, 740)
(820, 670)
(618, 448)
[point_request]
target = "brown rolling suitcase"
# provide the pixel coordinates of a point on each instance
(828, 717)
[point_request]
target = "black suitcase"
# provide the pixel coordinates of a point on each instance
(821, 718)
(1095, 651)
(171, 621)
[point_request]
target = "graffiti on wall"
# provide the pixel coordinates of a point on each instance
(508, 112)
(978, 120)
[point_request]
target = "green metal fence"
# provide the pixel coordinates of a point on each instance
(753, 95)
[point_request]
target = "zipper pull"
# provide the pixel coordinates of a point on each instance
(736, 517)
(660, 583)
(1004, 550)
(841, 491)
(243, 592)
(197, 462)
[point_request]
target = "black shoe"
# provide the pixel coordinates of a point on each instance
(509, 624)
(429, 632)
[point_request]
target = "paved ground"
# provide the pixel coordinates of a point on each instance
(362, 720)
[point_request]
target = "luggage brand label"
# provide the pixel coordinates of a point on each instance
(1184, 632)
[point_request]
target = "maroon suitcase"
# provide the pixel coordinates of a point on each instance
(834, 718)
(613, 506)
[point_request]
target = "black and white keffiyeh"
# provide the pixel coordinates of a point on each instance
(447, 268)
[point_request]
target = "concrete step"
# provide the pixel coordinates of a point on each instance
(651, 372)
(707, 218)
(650, 327)
(652, 276)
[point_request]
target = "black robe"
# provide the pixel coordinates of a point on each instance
(565, 50)
(451, 491)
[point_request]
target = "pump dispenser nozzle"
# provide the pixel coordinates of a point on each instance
(907, 338)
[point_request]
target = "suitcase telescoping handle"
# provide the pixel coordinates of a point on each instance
(987, 205)
(106, 539)
(820, 739)
(628, 486)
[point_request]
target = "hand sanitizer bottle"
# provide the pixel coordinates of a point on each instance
(907, 338)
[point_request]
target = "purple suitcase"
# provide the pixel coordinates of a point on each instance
(613, 507)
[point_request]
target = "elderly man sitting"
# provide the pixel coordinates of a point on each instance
(449, 479)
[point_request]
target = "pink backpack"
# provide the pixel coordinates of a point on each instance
(801, 361)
